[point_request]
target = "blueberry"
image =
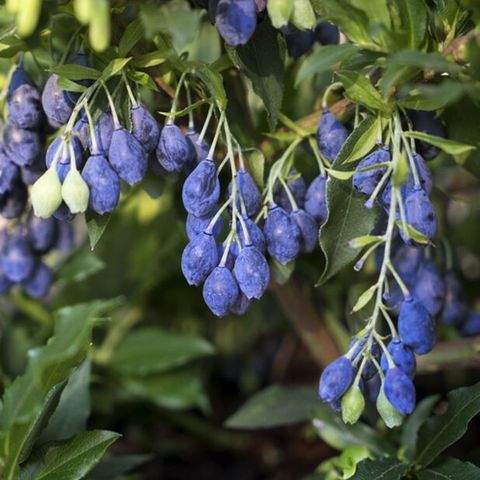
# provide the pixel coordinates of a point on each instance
(19, 78)
(172, 150)
(17, 259)
(369, 370)
(63, 213)
(308, 230)
(365, 182)
(220, 291)
(428, 287)
(24, 106)
(31, 173)
(201, 189)
(420, 213)
(416, 326)
(402, 356)
(201, 146)
(127, 156)
(199, 258)
(252, 272)
(22, 146)
(298, 188)
(257, 238)
(9, 173)
(42, 233)
(78, 58)
(236, 20)
(400, 391)
(424, 174)
(372, 387)
(13, 203)
(455, 310)
(298, 41)
(39, 282)
(55, 102)
(427, 122)
(249, 193)
(316, 199)
(60, 149)
(335, 379)
(103, 183)
(472, 326)
(331, 135)
(65, 236)
(407, 259)
(196, 225)
(282, 235)
(5, 283)
(240, 306)
(145, 128)
(103, 129)
(327, 34)
(231, 255)
(82, 130)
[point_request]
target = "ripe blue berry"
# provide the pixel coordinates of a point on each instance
(201, 189)
(24, 103)
(335, 379)
(60, 150)
(416, 326)
(427, 122)
(331, 135)
(103, 183)
(201, 147)
(298, 189)
(21, 145)
(249, 192)
(172, 150)
(282, 235)
(400, 391)
(420, 213)
(372, 387)
(42, 233)
(308, 230)
(82, 131)
(13, 203)
(220, 291)
(472, 326)
(199, 258)
(39, 282)
(316, 200)
(402, 356)
(428, 287)
(241, 305)
(407, 259)
(9, 173)
(327, 34)
(16, 258)
(455, 310)
(65, 236)
(145, 128)
(103, 128)
(31, 173)
(257, 238)
(298, 41)
(252, 272)
(55, 102)
(236, 20)
(196, 225)
(365, 182)
(127, 156)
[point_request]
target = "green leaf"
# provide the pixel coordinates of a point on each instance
(282, 273)
(364, 241)
(275, 406)
(74, 458)
(325, 58)
(401, 171)
(256, 162)
(82, 266)
(366, 142)
(76, 72)
(413, 423)
(438, 433)
(340, 174)
(151, 59)
(413, 15)
(214, 83)
(450, 469)
(70, 86)
(115, 467)
(364, 298)
(359, 88)
(115, 67)
(413, 233)
(152, 350)
(262, 61)
(131, 36)
(448, 146)
(388, 468)
(376, 10)
(348, 218)
(96, 225)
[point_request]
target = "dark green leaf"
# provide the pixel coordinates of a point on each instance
(450, 469)
(413, 14)
(96, 225)
(448, 146)
(387, 468)
(438, 433)
(115, 67)
(113, 467)
(151, 59)
(214, 83)
(348, 218)
(282, 273)
(151, 350)
(366, 142)
(73, 459)
(275, 406)
(82, 266)
(262, 61)
(324, 58)
(70, 85)
(256, 163)
(132, 35)
(76, 72)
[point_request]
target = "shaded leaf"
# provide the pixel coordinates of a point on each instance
(450, 469)
(448, 146)
(96, 225)
(76, 72)
(388, 468)
(131, 36)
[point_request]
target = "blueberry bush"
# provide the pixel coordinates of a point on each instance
(312, 166)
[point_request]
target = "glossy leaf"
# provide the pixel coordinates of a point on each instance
(381, 469)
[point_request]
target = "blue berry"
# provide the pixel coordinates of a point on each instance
(372, 387)
(16, 258)
(103, 128)
(365, 182)
(31, 173)
(201, 147)
(298, 41)
(455, 309)
(327, 34)
(172, 150)
(427, 122)
(63, 213)
(407, 259)
(196, 225)
(201, 189)
(24, 102)
(236, 20)
(199, 258)
(335, 379)
(127, 156)
(257, 238)
(402, 356)
(298, 189)
(65, 236)
(471, 327)
(400, 391)
(252, 272)
(60, 149)
(13, 203)
(428, 287)
(420, 213)
(249, 192)
(282, 235)
(9, 173)
(145, 128)
(55, 102)
(331, 135)
(103, 183)
(39, 282)
(220, 291)
(416, 326)
(316, 199)
(241, 305)
(21, 145)
(42, 233)
(82, 130)
(308, 230)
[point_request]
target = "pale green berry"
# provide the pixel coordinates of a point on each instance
(83, 10)
(279, 12)
(303, 16)
(75, 192)
(390, 415)
(27, 16)
(46, 194)
(353, 405)
(99, 31)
